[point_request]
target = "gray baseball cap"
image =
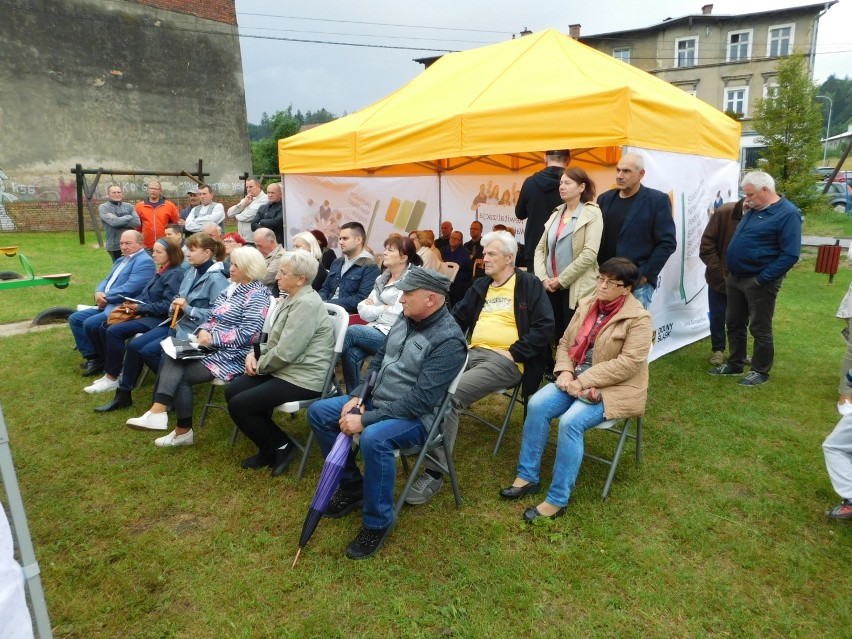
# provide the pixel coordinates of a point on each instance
(416, 277)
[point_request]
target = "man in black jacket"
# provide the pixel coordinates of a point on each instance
(510, 322)
(271, 214)
(539, 196)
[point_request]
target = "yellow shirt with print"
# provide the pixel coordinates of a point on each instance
(496, 327)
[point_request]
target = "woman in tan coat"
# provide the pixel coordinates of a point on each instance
(602, 373)
(566, 258)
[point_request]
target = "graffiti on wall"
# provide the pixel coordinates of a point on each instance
(6, 222)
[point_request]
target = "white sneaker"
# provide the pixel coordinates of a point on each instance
(102, 385)
(172, 439)
(149, 421)
(844, 409)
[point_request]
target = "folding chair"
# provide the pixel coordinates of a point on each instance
(515, 396)
(340, 321)
(208, 403)
(434, 439)
(450, 269)
(624, 434)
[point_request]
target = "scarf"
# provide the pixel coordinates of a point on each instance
(591, 326)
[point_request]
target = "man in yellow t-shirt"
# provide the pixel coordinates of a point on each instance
(510, 322)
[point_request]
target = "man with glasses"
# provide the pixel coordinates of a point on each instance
(246, 209)
(155, 212)
(638, 225)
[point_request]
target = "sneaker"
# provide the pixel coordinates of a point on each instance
(843, 511)
(367, 542)
(725, 369)
(344, 502)
(754, 379)
(173, 439)
(102, 385)
(717, 359)
(149, 421)
(845, 408)
(423, 489)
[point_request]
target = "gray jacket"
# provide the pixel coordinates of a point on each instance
(415, 368)
(117, 219)
(199, 295)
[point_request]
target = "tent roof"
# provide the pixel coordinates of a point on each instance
(495, 108)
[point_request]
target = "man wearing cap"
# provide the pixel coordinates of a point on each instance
(192, 192)
(207, 211)
(246, 209)
(424, 351)
(539, 196)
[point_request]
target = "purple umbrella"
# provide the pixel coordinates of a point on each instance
(332, 471)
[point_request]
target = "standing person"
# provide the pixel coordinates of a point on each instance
(246, 209)
(380, 310)
(713, 252)
(765, 245)
(424, 352)
(206, 212)
(271, 215)
(539, 196)
(566, 258)
(510, 324)
(192, 192)
(352, 275)
(446, 232)
(844, 390)
(602, 373)
(837, 449)
(127, 277)
(233, 324)
(155, 212)
(457, 253)
(292, 365)
(638, 225)
(117, 217)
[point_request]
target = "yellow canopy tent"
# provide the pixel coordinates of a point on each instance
(494, 109)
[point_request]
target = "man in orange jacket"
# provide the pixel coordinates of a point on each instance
(155, 213)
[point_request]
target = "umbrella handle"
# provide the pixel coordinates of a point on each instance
(296, 558)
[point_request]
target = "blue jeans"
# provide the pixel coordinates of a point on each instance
(644, 293)
(378, 442)
(360, 342)
(575, 418)
(83, 322)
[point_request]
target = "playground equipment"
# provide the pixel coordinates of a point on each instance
(59, 280)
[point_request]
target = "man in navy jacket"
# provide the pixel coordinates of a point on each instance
(764, 247)
(638, 225)
(127, 278)
(351, 276)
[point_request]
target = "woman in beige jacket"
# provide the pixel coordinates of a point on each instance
(566, 258)
(602, 373)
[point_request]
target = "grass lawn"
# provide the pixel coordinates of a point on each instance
(719, 533)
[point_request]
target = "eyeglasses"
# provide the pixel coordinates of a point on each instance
(283, 274)
(604, 282)
(229, 241)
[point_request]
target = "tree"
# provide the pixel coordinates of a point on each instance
(265, 136)
(840, 92)
(790, 123)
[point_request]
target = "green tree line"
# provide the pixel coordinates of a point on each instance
(264, 136)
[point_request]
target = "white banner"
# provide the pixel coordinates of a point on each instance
(382, 205)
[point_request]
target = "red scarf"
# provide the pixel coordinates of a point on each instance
(590, 327)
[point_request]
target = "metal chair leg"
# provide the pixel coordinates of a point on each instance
(614, 463)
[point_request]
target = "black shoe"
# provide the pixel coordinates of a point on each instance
(122, 399)
(725, 370)
(367, 542)
(531, 514)
(93, 367)
(256, 461)
(344, 502)
(515, 492)
(283, 457)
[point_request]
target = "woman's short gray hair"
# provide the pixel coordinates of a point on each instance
(308, 238)
(759, 180)
(302, 263)
(250, 261)
(507, 241)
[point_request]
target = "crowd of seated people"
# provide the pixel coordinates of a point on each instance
(220, 297)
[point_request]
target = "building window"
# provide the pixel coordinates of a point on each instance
(686, 52)
(736, 100)
(780, 40)
(739, 45)
(770, 90)
(622, 54)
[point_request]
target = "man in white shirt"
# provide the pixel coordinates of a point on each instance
(207, 211)
(246, 209)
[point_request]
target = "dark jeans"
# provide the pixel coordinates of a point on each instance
(562, 313)
(140, 351)
(112, 341)
(250, 403)
(718, 303)
(751, 307)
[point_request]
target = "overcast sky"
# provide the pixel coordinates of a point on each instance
(311, 75)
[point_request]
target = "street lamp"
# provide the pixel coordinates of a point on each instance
(827, 128)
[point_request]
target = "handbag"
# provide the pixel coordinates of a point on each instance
(121, 313)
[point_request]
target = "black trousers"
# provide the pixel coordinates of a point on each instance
(751, 307)
(250, 403)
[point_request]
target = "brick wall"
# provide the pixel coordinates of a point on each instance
(219, 10)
